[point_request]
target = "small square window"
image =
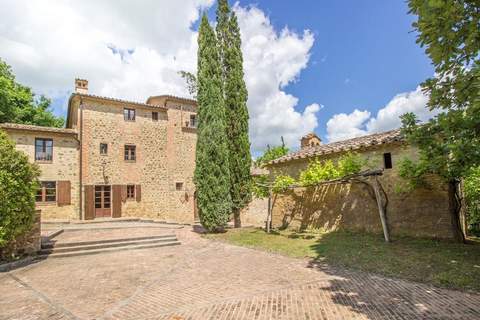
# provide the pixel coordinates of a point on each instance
(130, 153)
(130, 191)
(155, 116)
(129, 114)
(193, 121)
(43, 149)
(179, 186)
(387, 160)
(103, 148)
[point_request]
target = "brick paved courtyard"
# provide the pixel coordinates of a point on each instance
(202, 279)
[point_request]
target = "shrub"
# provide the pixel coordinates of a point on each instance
(282, 183)
(350, 163)
(318, 171)
(18, 185)
(472, 197)
(260, 186)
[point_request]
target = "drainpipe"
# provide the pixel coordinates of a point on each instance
(81, 160)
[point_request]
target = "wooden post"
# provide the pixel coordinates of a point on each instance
(269, 214)
(381, 210)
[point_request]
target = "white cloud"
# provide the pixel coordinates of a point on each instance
(272, 60)
(344, 126)
(134, 50)
(50, 43)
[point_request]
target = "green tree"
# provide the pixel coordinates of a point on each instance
(472, 198)
(191, 82)
(272, 153)
(211, 177)
(18, 185)
(19, 105)
(235, 93)
(449, 144)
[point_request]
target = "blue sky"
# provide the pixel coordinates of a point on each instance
(364, 52)
(343, 68)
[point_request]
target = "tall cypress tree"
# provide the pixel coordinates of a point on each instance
(235, 93)
(211, 177)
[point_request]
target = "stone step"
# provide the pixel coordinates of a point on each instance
(107, 250)
(52, 244)
(95, 246)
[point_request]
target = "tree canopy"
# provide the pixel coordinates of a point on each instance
(272, 153)
(449, 143)
(18, 104)
(212, 176)
(235, 93)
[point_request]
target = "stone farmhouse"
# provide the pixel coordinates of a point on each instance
(115, 158)
(423, 212)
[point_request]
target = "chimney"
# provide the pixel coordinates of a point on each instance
(81, 86)
(310, 140)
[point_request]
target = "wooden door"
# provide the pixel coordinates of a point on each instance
(89, 203)
(103, 203)
(117, 201)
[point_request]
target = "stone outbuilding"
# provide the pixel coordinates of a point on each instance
(422, 212)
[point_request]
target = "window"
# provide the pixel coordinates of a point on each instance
(179, 186)
(43, 149)
(387, 160)
(47, 192)
(193, 121)
(129, 114)
(130, 191)
(130, 152)
(103, 148)
(155, 116)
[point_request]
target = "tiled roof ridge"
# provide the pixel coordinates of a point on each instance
(169, 96)
(343, 145)
(89, 95)
(30, 127)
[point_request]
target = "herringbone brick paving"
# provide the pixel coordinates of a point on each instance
(202, 279)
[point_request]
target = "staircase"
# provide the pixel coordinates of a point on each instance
(51, 249)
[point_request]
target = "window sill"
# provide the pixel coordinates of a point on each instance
(130, 161)
(129, 120)
(44, 161)
(46, 204)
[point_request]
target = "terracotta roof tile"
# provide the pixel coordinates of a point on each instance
(17, 126)
(339, 146)
(172, 97)
(116, 100)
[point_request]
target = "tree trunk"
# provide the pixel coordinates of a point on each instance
(454, 208)
(237, 223)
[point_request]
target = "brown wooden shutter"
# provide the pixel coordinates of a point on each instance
(124, 193)
(89, 203)
(63, 193)
(138, 192)
(117, 201)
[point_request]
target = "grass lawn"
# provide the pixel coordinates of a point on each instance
(441, 263)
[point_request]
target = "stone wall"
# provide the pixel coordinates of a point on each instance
(255, 214)
(423, 212)
(63, 167)
(165, 156)
(26, 244)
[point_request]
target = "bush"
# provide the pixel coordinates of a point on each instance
(318, 171)
(260, 186)
(282, 183)
(18, 185)
(472, 198)
(350, 163)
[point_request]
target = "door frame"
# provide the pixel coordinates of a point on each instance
(102, 212)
